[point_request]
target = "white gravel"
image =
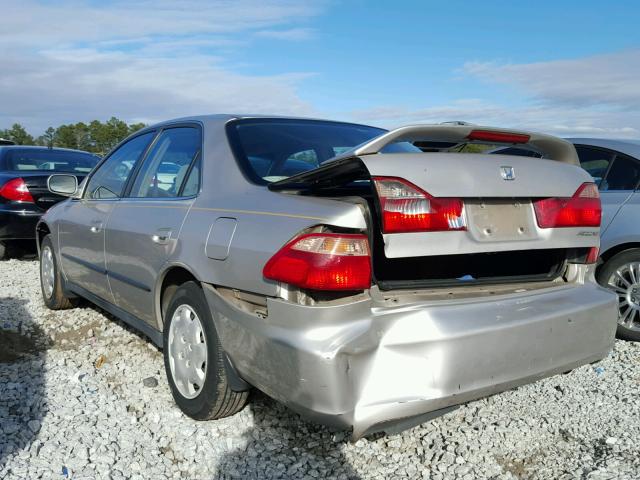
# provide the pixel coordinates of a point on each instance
(77, 404)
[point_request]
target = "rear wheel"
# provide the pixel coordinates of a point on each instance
(51, 279)
(3, 251)
(621, 274)
(193, 358)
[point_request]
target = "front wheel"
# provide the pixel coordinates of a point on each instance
(621, 274)
(193, 358)
(51, 278)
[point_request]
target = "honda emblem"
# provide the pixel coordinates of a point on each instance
(507, 173)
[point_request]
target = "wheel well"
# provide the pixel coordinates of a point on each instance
(172, 280)
(41, 231)
(617, 249)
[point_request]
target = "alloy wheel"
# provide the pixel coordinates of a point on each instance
(625, 281)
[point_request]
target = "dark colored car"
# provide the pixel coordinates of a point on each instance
(24, 195)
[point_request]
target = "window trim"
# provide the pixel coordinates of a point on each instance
(83, 195)
(196, 158)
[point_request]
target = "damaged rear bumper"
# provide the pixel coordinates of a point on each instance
(372, 364)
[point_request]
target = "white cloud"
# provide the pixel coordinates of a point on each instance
(604, 80)
(289, 34)
(31, 22)
(594, 96)
(143, 61)
(557, 120)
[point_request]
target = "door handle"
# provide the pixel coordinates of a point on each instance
(96, 227)
(162, 236)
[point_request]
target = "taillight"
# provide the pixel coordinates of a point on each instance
(16, 190)
(581, 210)
(407, 208)
(323, 261)
(592, 255)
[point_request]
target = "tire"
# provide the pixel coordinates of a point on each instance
(3, 251)
(52, 293)
(627, 263)
(192, 351)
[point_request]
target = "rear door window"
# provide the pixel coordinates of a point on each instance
(624, 174)
(595, 161)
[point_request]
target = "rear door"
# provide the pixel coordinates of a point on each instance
(616, 174)
(143, 228)
(82, 223)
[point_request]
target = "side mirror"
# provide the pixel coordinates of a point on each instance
(61, 184)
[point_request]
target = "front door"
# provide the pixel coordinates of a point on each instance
(82, 228)
(143, 230)
(81, 231)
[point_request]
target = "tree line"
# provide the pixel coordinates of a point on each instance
(96, 136)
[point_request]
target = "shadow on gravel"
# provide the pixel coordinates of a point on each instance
(83, 303)
(23, 347)
(281, 444)
(22, 250)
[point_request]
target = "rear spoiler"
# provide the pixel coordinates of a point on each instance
(549, 146)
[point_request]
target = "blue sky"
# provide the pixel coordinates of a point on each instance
(564, 67)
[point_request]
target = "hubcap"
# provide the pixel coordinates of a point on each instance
(187, 352)
(47, 271)
(625, 281)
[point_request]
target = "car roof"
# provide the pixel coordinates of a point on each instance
(223, 118)
(37, 147)
(629, 147)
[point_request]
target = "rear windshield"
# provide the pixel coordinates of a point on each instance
(269, 150)
(49, 160)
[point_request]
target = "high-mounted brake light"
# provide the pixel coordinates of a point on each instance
(323, 261)
(16, 190)
(407, 208)
(581, 210)
(497, 137)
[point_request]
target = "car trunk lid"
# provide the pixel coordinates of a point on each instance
(498, 194)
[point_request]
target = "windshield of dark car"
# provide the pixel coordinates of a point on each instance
(25, 159)
(269, 150)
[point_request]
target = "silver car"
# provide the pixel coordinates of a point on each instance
(615, 168)
(335, 266)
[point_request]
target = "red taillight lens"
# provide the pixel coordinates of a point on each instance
(323, 261)
(497, 137)
(16, 190)
(592, 255)
(581, 210)
(407, 208)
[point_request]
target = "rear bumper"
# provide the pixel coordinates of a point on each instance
(18, 224)
(366, 365)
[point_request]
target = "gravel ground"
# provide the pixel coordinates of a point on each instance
(83, 396)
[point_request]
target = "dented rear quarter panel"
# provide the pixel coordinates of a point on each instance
(266, 220)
